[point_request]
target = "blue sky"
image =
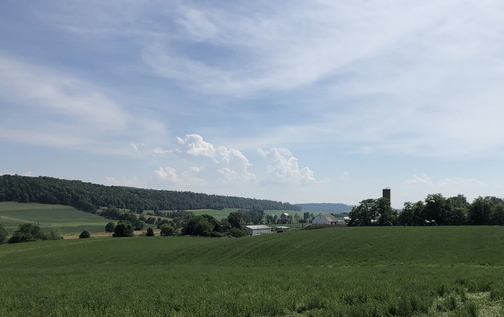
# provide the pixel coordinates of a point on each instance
(319, 101)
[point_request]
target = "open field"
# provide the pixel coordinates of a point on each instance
(68, 219)
(219, 214)
(369, 271)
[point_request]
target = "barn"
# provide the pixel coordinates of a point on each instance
(325, 219)
(257, 230)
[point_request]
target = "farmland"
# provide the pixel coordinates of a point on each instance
(373, 271)
(68, 219)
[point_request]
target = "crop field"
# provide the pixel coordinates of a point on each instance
(367, 271)
(68, 219)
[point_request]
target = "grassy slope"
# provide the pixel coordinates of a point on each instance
(66, 218)
(354, 271)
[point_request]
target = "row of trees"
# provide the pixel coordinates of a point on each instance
(206, 225)
(87, 196)
(434, 210)
(28, 232)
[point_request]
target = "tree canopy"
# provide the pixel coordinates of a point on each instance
(88, 196)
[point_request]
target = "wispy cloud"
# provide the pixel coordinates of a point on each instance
(470, 187)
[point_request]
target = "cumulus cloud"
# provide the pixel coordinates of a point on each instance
(167, 174)
(284, 167)
(231, 164)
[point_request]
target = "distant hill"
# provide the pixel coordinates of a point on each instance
(326, 207)
(88, 196)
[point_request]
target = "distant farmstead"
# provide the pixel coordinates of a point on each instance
(325, 219)
(257, 230)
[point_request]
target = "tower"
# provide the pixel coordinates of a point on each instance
(386, 193)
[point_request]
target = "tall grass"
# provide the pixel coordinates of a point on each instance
(328, 272)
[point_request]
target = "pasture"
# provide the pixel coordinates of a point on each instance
(68, 219)
(367, 271)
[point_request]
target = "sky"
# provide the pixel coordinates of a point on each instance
(294, 101)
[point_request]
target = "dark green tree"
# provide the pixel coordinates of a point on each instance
(235, 219)
(167, 230)
(364, 214)
(412, 214)
(199, 226)
(150, 232)
(110, 227)
(386, 215)
(123, 229)
(438, 209)
(480, 211)
(225, 226)
(84, 234)
(27, 232)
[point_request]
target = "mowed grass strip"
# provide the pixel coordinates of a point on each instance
(66, 218)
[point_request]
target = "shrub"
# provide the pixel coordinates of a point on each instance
(55, 234)
(123, 229)
(27, 232)
(110, 227)
(84, 235)
(167, 230)
(235, 232)
(216, 234)
(150, 232)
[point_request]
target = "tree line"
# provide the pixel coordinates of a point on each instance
(88, 197)
(435, 209)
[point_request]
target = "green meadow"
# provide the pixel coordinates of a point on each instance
(68, 219)
(359, 271)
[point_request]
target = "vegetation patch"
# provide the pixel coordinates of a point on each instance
(358, 271)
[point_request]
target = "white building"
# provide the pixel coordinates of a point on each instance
(325, 219)
(257, 230)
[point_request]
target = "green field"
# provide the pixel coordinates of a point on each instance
(68, 219)
(219, 214)
(359, 271)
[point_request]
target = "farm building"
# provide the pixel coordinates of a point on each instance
(281, 228)
(257, 230)
(325, 219)
(284, 215)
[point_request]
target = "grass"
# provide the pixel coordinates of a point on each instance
(389, 271)
(68, 219)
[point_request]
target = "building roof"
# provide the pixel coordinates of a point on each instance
(329, 217)
(258, 227)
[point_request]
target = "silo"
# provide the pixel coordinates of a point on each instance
(386, 193)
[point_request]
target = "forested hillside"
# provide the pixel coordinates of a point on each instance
(88, 196)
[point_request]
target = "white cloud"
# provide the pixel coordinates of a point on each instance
(167, 174)
(470, 187)
(135, 146)
(31, 86)
(232, 165)
(284, 167)
(422, 179)
(345, 176)
(196, 146)
(124, 181)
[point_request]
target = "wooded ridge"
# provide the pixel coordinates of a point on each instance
(89, 196)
